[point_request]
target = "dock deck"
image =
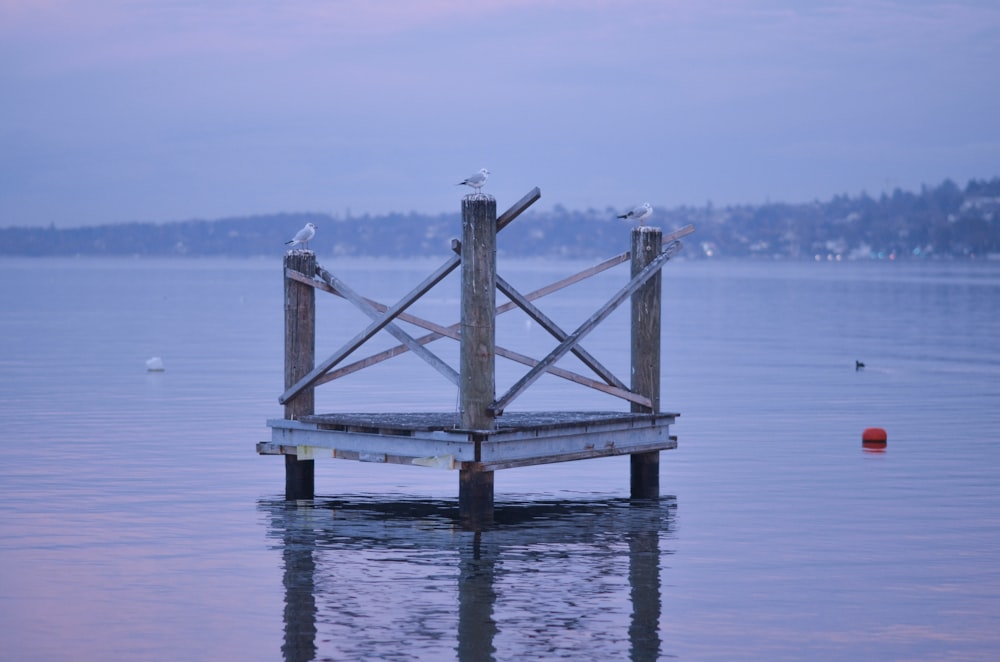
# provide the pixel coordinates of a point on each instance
(430, 439)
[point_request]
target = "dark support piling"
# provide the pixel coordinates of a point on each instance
(647, 243)
(477, 377)
(300, 356)
(475, 495)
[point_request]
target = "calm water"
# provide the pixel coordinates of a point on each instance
(137, 522)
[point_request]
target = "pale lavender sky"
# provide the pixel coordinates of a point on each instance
(159, 110)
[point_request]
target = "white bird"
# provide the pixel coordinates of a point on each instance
(154, 364)
(640, 213)
(303, 236)
(477, 180)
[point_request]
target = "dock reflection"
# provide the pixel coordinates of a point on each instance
(371, 577)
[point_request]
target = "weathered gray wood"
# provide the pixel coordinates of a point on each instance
(477, 353)
(507, 217)
(569, 280)
(574, 377)
(501, 455)
(647, 243)
(372, 328)
(589, 454)
(549, 325)
(478, 456)
(371, 311)
(677, 234)
(453, 333)
(587, 326)
(300, 353)
(533, 422)
(434, 440)
(479, 257)
(515, 210)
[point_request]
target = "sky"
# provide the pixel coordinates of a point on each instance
(117, 111)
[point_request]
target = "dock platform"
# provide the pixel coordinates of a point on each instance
(482, 435)
(519, 439)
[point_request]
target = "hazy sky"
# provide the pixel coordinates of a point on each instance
(158, 110)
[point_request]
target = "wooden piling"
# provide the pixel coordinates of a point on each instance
(647, 243)
(475, 495)
(477, 378)
(300, 355)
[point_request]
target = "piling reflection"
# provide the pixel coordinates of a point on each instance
(371, 577)
(298, 546)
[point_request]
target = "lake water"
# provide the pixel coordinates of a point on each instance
(138, 523)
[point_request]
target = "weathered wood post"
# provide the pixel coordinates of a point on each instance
(477, 377)
(647, 243)
(300, 355)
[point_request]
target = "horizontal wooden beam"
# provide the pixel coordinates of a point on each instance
(582, 437)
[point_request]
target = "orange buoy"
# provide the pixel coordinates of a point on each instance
(873, 440)
(874, 435)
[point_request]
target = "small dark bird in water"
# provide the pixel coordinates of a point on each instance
(858, 365)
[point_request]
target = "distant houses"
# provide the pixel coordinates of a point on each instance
(942, 222)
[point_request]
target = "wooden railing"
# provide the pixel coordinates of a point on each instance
(384, 317)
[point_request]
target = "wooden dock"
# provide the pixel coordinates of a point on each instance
(480, 437)
(519, 439)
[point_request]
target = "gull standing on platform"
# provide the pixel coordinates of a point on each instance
(303, 236)
(640, 213)
(477, 180)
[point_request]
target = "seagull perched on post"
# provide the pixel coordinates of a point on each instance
(640, 213)
(303, 236)
(477, 180)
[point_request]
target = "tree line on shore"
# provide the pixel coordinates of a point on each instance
(946, 221)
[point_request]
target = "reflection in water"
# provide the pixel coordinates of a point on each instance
(378, 577)
(477, 596)
(298, 543)
(644, 580)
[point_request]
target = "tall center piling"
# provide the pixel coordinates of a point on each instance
(477, 375)
(647, 243)
(300, 357)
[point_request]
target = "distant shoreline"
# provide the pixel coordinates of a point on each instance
(944, 222)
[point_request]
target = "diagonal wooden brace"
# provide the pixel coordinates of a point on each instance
(372, 328)
(375, 314)
(571, 341)
(438, 332)
(549, 325)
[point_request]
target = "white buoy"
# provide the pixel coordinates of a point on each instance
(154, 364)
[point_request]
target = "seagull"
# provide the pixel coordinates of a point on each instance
(477, 180)
(640, 213)
(303, 236)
